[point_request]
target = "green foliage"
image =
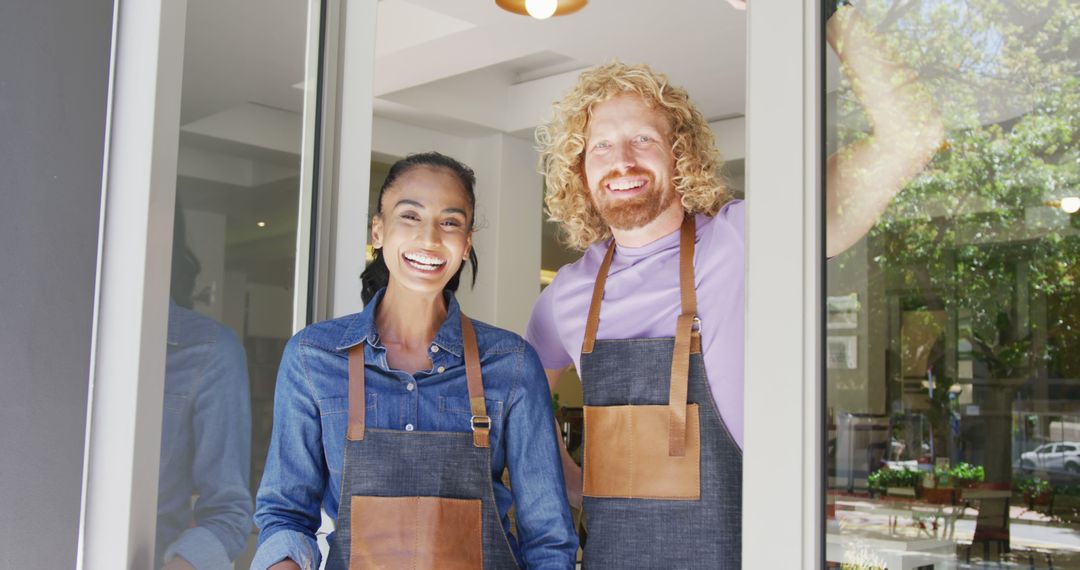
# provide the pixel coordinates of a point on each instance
(966, 474)
(961, 475)
(885, 478)
(1033, 486)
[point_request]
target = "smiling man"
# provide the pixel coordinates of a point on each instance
(652, 314)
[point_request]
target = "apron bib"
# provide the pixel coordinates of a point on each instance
(418, 500)
(662, 473)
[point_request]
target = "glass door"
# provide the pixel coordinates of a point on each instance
(952, 380)
(243, 172)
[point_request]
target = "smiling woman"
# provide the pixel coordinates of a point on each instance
(365, 424)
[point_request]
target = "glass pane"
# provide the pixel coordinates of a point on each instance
(233, 267)
(953, 375)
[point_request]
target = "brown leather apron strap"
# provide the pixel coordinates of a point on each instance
(593, 322)
(684, 328)
(356, 393)
(680, 359)
(481, 423)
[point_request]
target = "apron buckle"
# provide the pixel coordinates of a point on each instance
(480, 422)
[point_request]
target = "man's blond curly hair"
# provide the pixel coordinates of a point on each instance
(562, 144)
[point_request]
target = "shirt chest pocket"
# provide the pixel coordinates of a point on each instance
(454, 413)
(334, 417)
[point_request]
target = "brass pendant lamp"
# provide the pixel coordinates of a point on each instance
(541, 9)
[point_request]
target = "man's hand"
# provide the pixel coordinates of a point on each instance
(573, 481)
(571, 471)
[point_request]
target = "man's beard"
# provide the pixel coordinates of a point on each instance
(635, 212)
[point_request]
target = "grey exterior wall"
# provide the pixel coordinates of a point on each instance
(54, 68)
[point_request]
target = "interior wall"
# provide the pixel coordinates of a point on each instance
(509, 199)
(53, 95)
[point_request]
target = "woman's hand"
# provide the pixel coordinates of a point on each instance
(178, 563)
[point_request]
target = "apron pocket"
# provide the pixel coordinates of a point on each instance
(416, 532)
(626, 454)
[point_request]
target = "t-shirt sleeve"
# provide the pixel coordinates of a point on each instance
(543, 335)
(734, 212)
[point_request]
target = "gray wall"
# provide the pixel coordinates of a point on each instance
(54, 57)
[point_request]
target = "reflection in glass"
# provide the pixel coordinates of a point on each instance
(953, 328)
(204, 506)
(238, 196)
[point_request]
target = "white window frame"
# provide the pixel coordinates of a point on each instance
(118, 517)
(124, 407)
(782, 466)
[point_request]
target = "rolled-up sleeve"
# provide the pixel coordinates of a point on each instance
(287, 506)
(202, 549)
(299, 547)
(545, 528)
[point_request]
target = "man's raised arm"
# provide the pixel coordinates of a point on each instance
(905, 131)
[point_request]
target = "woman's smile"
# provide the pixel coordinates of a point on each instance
(425, 263)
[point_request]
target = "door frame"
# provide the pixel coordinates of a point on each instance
(783, 495)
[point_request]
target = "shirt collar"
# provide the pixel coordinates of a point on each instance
(362, 329)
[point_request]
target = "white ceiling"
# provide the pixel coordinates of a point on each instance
(243, 51)
(468, 67)
(464, 67)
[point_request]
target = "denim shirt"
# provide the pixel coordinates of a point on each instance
(303, 466)
(205, 445)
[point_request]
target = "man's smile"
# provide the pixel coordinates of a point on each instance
(627, 184)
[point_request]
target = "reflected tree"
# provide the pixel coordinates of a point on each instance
(985, 233)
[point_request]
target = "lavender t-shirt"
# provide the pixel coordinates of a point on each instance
(641, 300)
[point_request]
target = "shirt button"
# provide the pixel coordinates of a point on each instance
(434, 348)
(441, 369)
(409, 427)
(410, 386)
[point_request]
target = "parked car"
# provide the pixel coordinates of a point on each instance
(1062, 456)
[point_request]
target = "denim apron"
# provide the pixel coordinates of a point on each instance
(662, 489)
(418, 499)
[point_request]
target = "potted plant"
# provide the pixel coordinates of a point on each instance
(967, 475)
(1035, 491)
(941, 490)
(896, 482)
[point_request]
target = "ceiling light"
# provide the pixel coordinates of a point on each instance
(1071, 204)
(541, 9)
(261, 224)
